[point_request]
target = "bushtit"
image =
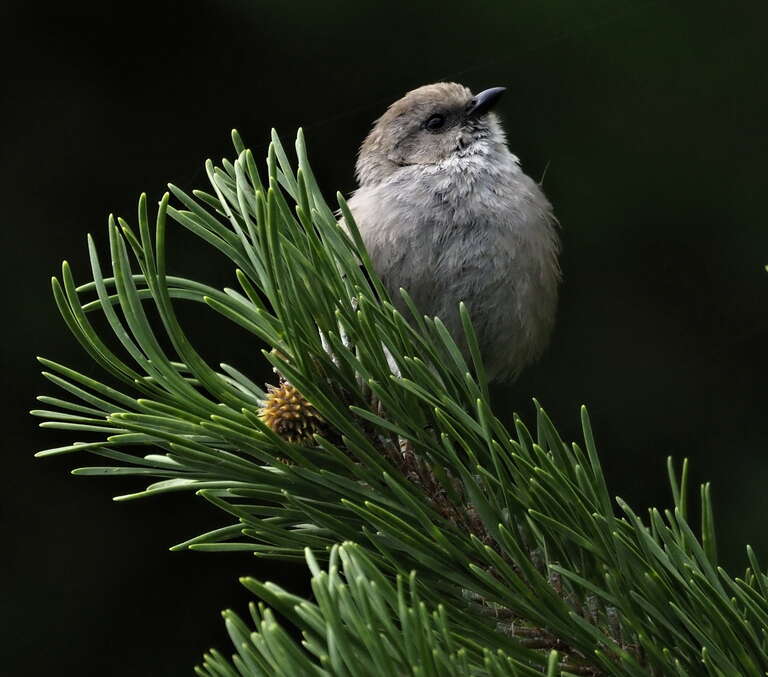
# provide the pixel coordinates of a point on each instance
(446, 213)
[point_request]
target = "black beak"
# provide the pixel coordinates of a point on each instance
(483, 102)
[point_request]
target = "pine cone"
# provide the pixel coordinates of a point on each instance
(290, 414)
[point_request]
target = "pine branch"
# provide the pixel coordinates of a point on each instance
(362, 624)
(514, 537)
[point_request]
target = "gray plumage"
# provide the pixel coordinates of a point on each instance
(446, 213)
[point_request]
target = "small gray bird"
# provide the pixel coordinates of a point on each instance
(446, 213)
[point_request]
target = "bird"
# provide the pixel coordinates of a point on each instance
(446, 213)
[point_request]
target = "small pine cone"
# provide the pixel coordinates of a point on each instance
(290, 414)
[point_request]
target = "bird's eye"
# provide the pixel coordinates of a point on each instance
(435, 123)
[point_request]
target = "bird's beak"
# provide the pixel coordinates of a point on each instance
(483, 102)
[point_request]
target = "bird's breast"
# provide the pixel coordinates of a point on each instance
(485, 239)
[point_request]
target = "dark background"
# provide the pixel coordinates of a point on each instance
(650, 117)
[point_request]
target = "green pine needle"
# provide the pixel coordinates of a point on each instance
(476, 551)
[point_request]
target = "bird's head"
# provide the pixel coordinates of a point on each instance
(429, 126)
